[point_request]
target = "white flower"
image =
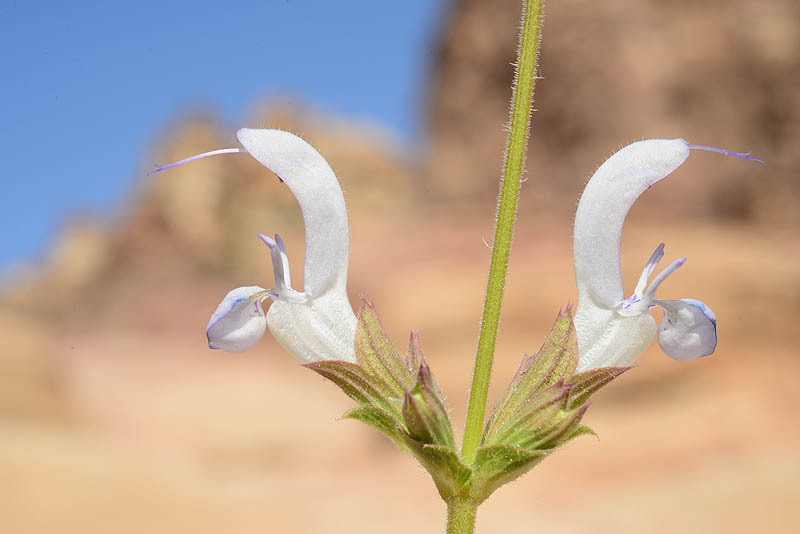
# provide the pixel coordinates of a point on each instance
(317, 323)
(614, 330)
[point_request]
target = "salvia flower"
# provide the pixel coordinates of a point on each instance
(317, 323)
(614, 330)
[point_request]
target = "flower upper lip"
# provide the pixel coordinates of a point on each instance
(612, 329)
(317, 190)
(317, 323)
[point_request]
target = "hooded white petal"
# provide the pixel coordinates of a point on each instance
(603, 207)
(319, 323)
(613, 330)
(688, 329)
(239, 322)
(317, 190)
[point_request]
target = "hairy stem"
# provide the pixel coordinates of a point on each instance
(461, 515)
(522, 101)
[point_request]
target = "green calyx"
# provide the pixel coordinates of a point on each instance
(541, 410)
(400, 398)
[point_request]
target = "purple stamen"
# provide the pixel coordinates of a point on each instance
(671, 268)
(268, 240)
(658, 253)
(280, 263)
(743, 155)
(198, 156)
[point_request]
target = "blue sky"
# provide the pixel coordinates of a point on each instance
(87, 86)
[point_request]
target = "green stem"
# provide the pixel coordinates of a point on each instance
(461, 515)
(522, 101)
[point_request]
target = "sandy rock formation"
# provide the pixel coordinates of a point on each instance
(711, 72)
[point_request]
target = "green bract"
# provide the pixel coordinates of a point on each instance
(398, 396)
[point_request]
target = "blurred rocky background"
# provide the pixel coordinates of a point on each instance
(115, 417)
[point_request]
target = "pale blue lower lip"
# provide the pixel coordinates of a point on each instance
(703, 308)
(215, 320)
